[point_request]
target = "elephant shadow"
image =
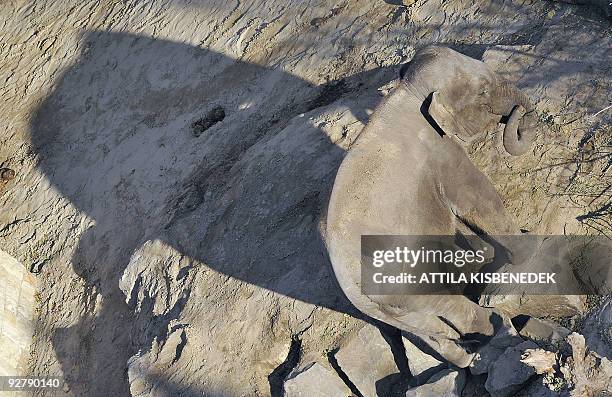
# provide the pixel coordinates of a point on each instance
(158, 140)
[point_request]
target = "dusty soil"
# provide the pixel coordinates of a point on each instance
(179, 250)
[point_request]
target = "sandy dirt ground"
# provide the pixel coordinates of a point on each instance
(173, 159)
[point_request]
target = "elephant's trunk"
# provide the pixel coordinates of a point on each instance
(519, 133)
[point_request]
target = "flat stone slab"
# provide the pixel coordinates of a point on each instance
(315, 380)
(508, 374)
(17, 311)
(544, 330)
(366, 358)
(506, 337)
(446, 383)
(419, 362)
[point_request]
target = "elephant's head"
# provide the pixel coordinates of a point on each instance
(465, 97)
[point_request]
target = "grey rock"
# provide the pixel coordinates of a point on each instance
(143, 368)
(475, 386)
(597, 329)
(446, 383)
(538, 389)
(315, 380)
(544, 330)
(419, 362)
(506, 337)
(508, 374)
(366, 359)
(485, 356)
(18, 305)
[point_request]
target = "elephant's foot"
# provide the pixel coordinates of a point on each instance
(451, 351)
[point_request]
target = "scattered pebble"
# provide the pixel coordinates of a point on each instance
(7, 174)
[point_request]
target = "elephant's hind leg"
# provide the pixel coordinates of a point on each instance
(448, 324)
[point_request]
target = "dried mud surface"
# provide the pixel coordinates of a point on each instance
(182, 260)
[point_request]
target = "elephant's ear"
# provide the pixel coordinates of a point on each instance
(442, 117)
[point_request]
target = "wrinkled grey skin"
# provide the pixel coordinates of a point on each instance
(403, 177)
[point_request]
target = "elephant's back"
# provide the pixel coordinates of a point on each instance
(385, 185)
(365, 188)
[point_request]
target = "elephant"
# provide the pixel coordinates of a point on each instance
(408, 174)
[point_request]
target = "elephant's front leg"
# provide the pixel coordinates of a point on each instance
(474, 202)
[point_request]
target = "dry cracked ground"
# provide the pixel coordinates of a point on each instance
(173, 159)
